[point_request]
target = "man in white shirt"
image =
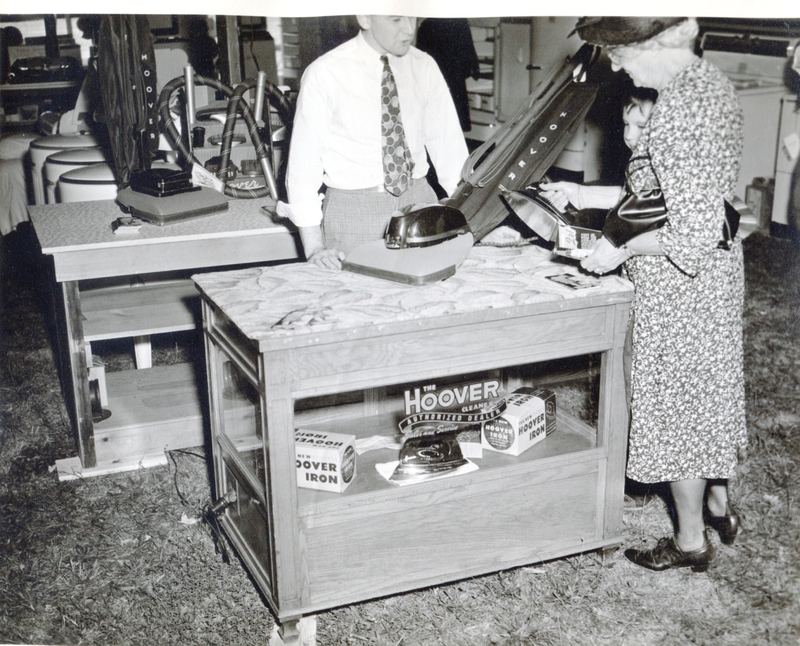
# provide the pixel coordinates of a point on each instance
(337, 140)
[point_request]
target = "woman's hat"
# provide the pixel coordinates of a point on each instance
(620, 30)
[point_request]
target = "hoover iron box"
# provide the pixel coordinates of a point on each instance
(523, 423)
(325, 461)
(549, 399)
(573, 237)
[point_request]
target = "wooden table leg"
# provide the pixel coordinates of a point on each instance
(295, 632)
(613, 428)
(79, 376)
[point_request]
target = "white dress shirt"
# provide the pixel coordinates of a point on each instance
(336, 136)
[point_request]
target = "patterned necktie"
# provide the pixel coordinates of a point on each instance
(397, 162)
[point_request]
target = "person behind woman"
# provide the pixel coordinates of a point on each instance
(449, 42)
(687, 384)
(635, 114)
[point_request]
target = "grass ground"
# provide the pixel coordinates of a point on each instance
(121, 559)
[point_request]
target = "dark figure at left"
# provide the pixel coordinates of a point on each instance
(9, 37)
(203, 49)
(449, 42)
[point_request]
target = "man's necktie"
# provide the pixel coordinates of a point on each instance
(397, 163)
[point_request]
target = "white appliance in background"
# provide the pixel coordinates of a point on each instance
(87, 184)
(787, 162)
(43, 147)
(756, 65)
(66, 160)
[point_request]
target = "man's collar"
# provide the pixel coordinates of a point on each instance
(370, 51)
(367, 49)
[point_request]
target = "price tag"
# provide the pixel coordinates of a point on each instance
(201, 177)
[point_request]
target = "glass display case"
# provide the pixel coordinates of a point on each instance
(272, 372)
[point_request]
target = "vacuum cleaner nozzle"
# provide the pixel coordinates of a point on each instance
(422, 225)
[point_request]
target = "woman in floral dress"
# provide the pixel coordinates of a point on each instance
(687, 384)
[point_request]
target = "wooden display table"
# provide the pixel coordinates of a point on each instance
(157, 408)
(296, 346)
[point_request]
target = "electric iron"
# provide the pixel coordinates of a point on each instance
(165, 196)
(546, 220)
(427, 457)
(427, 243)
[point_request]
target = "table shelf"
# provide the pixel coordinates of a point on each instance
(154, 410)
(572, 435)
(140, 310)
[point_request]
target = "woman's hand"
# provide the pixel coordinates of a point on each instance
(326, 258)
(559, 194)
(605, 257)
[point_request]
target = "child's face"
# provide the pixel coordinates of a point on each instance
(635, 117)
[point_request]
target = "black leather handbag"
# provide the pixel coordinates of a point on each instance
(641, 211)
(637, 211)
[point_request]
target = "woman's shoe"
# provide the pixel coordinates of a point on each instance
(666, 554)
(726, 526)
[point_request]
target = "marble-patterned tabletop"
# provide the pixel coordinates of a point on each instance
(87, 225)
(270, 302)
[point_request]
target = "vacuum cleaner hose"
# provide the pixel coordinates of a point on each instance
(235, 99)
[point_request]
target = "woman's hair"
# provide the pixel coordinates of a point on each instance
(681, 36)
(639, 96)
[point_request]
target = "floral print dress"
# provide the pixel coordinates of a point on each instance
(687, 382)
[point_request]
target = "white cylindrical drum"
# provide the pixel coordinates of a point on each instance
(43, 147)
(66, 160)
(88, 184)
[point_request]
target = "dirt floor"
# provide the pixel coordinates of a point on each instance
(127, 558)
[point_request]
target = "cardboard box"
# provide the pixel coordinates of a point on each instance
(549, 399)
(579, 232)
(325, 461)
(522, 424)
(573, 237)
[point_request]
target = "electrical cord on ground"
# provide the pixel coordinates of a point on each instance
(211, 514)
(211, 509)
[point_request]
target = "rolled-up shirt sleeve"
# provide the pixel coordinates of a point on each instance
(305, 173)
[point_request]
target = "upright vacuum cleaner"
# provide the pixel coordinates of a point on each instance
(427, 243)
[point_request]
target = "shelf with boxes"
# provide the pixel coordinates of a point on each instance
(503, 46)
(481, 91)
(360, 443)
